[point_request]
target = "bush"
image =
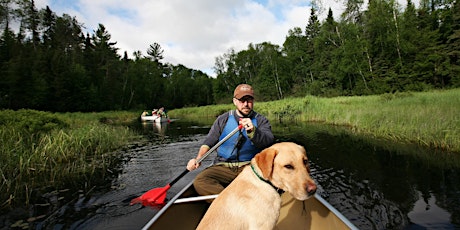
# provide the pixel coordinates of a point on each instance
(31, 121)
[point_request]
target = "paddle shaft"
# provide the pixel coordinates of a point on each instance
(197, 198)
(237, 129)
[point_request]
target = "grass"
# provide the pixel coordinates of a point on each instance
(42, 149)
(430, 119)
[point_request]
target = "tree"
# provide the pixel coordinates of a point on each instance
(227, 75)
(352, 12)
(354, 66)
(312, 32)
(49, 64)
(49, 26)
(106, 60)
(453, 45)
(295, 49)
(326, 45)
(64, 57)
(381, 36)
(155, 52)
(272, 78)
(8, 52)
(30, 19)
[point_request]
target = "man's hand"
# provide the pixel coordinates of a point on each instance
(247, 124)
(192, 164)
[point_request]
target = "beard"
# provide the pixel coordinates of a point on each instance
(246, 111)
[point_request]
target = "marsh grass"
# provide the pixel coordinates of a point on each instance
(430, 119)
(42, 149)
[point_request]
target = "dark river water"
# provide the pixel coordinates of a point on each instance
(376, 185)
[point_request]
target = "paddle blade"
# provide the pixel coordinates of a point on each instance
(152, 197)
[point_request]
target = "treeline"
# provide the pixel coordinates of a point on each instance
(382, 49)
(51, 64)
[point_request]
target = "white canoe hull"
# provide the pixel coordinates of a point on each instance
(314, 213)
(154, 118)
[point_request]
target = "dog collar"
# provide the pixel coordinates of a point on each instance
(280, 191)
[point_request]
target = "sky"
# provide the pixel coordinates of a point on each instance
(191, 32)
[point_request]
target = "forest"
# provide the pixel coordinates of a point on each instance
(48, 63)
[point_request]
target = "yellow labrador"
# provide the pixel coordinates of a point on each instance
(253, 199)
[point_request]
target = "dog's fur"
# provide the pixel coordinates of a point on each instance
(251, 203)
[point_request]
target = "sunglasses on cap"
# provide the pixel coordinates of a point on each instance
(245, 99)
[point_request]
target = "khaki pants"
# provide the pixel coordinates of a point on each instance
(214, 179)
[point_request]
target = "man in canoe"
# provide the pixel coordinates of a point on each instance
(236, 152)
(161, 112)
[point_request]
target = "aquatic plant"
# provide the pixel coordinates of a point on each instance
(41, 150)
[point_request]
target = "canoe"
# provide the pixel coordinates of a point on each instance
(154, 118)
(185, 210)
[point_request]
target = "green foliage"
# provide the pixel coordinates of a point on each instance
(31, 121)
(44, 150)
(202, 112)
(51, 65)
(391, 96)
(374, 51)
(403, 117)
(61, 69)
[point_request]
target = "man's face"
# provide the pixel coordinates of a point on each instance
(244, 105)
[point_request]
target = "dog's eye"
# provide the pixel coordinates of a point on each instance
(305, 162)
(289, 166)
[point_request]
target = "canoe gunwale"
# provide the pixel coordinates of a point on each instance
(165, 208)
(339, 216)
(335, 211)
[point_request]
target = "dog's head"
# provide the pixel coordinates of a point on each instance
(285, 165)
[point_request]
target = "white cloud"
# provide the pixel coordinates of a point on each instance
(192, 33)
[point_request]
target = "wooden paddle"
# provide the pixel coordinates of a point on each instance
(157, 196)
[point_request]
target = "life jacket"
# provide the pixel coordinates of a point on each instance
(229, 150)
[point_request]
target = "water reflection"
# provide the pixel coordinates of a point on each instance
(155, 128)
(378, 188)
(426, 212)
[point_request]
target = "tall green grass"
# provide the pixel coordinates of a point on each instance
(429, 119)
(42, 149)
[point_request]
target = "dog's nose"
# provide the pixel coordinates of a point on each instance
(311, 189)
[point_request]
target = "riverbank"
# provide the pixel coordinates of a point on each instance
(54, 150)
(43, 151)
(430, 119)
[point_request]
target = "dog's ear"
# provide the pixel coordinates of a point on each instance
(265, 161)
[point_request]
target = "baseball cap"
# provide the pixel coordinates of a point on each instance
(243, 90)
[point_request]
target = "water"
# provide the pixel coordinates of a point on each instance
(376, 186)
(149, 166)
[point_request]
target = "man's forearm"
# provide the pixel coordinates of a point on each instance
(202, 151)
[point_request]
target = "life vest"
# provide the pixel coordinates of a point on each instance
(229, 150)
